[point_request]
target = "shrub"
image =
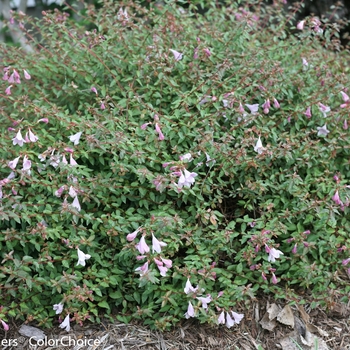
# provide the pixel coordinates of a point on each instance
(165, 149)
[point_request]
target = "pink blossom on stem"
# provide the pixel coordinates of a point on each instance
(207, 52)
(144, 126)
(237, 317)
(229, 321)
(8, 90)
(177, 55)
(94, 90)
(59, 192)
(345, 261)
(102, 106)
(345, 125)
(13, 163)
(274, 254)
(43, 120)
(18, 140)
(221, 318)
(336, 198)
(189, 288)
(345, 97)
(266, 106)
(32, 137)
(205, 301)
(305, 62)
(190, 311)
(26, 75)
(160, 134)
(163, 270)
(76, 204)
(131, 236)
(142, 246)
(72, 161)
(186, 179)
(276, 103)
(294, 250)
(5, 325)
(156, 245)
(142, 269)
(308, 112)
(300, 25)
(26, 165)
(167, 262)
(274, 279)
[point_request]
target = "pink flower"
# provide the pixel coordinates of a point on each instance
(144, 126)
(266, 106)
(308, 112)
(221, 318)
(64, 160)
(344, 96)
(305, 62)
(274, 254)
(131, 236)
(237, 317)
(156, 245)
(276, 103)
(336, 198)
(205, 301)
(345, 125)
(324, 109)
(13, 163)
(44, 120)
(5, 325)
(229, 321)
(189, 288)
(94, 90)
(207, 52)
(163, 270)
(14, 78)
(300, 25)
(72, 161)
(8, 90)
(263, 276)
(190, 311)
(142, 246)
(253, 108)
(26, 75)
(76, 204)
(142, 269)
(18, 140)
(32, 137)
(345, 262)
(167, 262)
(177, 55)
(186, 179)
(322, 130)
(294, 250)
(59, 192)
(102, 106)
(274, 279)
(160, 134)
(26, 165)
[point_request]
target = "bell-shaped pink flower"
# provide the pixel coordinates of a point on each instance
(336, 198)
(159, 131)
(186, 179)
(167, 262)
(345, 97)
(229, 321)
(345, 124)
(308, 112)
(142, 246)
(221, 318)
(190, 311)
(131, 236)
(144, 126)
(44, 120)
(59, 192)
(163, 270)
(294, 250)
(18, 140)
(300, 25)
(156, 245)
(27, 164)
(5, 325)
(13, 163)
(276, 103)
(26, 75)
(253, 108)
(72, 161)
(177, 55)
(76, 204)
(102, 106)
(266, 106)
(237, 317)
(189, 288)
(142, 269)
(94, 90)
(274, 279)
(205, 301)
(8, 90)
(31, 136)
(274, 254)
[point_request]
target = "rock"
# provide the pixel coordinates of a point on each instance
(31, 332)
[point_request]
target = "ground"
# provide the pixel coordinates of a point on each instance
(329, 330)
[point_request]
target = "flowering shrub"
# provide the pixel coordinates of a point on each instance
(164, 165)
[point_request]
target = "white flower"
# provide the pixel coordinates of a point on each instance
(253, 108)
(324, 109)
(18, 140)
(237, 317)
(186, 179)
(229, 321)
(72, 192)
(205, 301)
(189, 288)
(65, 324)
(322, 130)
(75, 138)
(274, 254)
(221, 318)
(13, 163)
(82, 257)
(58, 308)
(258, 147)
(187, 157)
(156, 245)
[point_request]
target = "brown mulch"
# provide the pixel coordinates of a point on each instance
(331, 329)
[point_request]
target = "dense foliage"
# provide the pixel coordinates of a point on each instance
(162, 146)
